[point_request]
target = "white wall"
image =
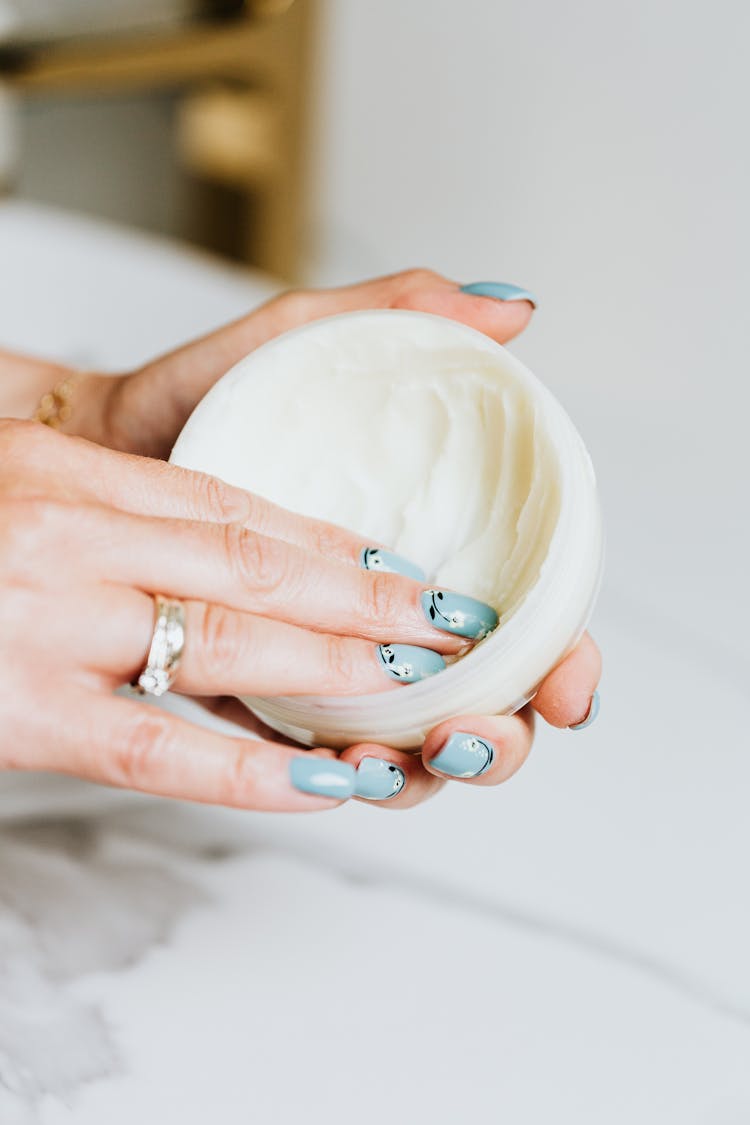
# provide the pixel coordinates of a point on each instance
(596, 152)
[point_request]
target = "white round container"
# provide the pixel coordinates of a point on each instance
(428, 438)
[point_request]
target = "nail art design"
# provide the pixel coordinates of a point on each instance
(378, 780)
(322, 777)
(409, 663)
(464, 755)
(458, 614)
(499, 291)
(388, 562)
(591, 714)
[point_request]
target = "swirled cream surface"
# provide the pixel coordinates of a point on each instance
(426, 450)
(428, 438)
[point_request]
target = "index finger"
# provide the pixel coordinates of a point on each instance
(149, 487)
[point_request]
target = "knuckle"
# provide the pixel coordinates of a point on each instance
(221, 641)
(380, 599)
(330, 541)
(26, 527)
(239, 782)
(22, 443)
(245, 555)
(218, 501)
(261, 563)
(295, 306)
(339, 663)
(415, 278)
(11, 431)
(139, 753)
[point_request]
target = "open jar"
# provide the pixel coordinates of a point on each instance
(429, 438)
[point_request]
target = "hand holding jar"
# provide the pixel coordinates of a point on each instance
(251, 599)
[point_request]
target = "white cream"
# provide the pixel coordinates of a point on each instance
(428, 438)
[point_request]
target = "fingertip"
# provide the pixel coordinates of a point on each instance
(564, 698)
(503, 322)
(479, 750)
(500, 291)
(500, 318)
(319, 776)
(389, 778)
(590, 716)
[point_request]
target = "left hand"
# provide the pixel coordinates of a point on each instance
(488, 748)
(143, 412)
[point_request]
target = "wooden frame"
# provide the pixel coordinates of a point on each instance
(242, 123)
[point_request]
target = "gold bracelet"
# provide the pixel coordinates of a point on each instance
(56, 406)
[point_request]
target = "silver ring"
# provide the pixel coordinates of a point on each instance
(167, 644)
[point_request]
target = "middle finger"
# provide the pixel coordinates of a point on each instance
(231, 566)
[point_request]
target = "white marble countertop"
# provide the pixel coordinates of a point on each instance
(572, 947)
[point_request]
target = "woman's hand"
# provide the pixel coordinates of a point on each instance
(150, 406)
(143, 411)
(474, 750)
(275, 604)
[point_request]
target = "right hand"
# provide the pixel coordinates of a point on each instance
(275, 604)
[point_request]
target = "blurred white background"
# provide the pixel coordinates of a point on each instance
(598, 154)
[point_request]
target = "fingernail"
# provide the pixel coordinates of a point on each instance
(377, 558)
(455, 613)
(464, 755)
(323, 777)
(378, 780)
(591, 714)
(409, 663)
(500, 291)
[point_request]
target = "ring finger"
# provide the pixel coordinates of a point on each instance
(229, 652)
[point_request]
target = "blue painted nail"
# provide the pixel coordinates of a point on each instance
(409, 663)
(455, 613)
(377, 558)
(591, 714)
(464, 755)
(378, 780)
(500, 291)
(323, 777)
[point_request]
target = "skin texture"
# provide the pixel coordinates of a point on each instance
(93, 522)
